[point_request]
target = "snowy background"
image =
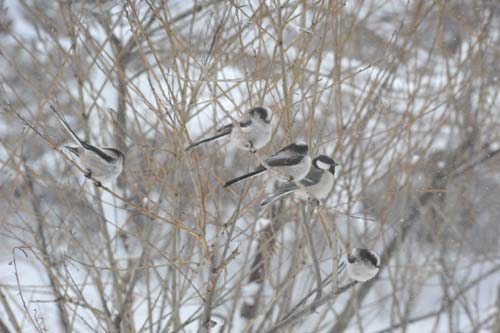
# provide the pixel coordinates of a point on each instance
(403, 94)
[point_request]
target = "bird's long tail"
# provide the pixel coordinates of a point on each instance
(73, 150)
(275, 196)
(213, 138)
(63, 122)
(254, 173)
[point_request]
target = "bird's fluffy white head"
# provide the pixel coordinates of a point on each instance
(261, 113)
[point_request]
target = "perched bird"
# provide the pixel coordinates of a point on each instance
(362, 264)
(292, 163)
(101, 164)
(250, 133)
(315, 186)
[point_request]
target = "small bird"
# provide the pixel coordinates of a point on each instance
(317, 184)
(251, 132)
(292, 163)
(101, 164)
(362, 264)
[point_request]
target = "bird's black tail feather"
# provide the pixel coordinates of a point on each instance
(275, 196)
(215, 137)
(257, 171)
(73, 150)
(73, 135)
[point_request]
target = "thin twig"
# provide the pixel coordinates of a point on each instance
(310, 308)
(306, 220)
(10, 312)
(35, 202)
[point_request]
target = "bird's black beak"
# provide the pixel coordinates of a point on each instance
(332, 168)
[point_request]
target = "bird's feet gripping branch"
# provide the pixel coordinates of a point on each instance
(250, 146)
(88, 175)
(313, 201)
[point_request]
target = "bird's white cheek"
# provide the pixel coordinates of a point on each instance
(322, 165)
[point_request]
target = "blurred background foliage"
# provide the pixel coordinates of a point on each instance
(403, 94)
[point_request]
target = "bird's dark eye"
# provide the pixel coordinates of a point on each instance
(261, 112)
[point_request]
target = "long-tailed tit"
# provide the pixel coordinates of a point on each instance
(362, 264)
(101, 164)
(291, 163)
(315, 186)
(251, 132)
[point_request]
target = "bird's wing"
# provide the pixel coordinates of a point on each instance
(313, 177)
(229, 127)
(99, 152)
(285, 157)
(287, 187)
(245, 123)
(225, 129)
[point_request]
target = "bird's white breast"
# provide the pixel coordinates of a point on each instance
(361, 271)
(258, 133)
(321, 190)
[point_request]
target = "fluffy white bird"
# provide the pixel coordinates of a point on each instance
(101, 164)
(362, 264)
(252, 132)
